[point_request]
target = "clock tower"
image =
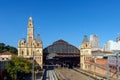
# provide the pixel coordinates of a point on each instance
(33, 45)
(30, 33)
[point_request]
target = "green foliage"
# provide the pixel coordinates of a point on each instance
(17, 67)
(4, 48)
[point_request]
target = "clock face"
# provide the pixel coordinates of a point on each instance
(30, 30)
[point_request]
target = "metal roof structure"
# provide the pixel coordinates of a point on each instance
(61, 46)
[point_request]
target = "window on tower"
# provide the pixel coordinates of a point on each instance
(27, 53)
(22, 53)
(86, 45)
(38, 44)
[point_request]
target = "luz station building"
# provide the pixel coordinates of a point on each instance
(61, 53)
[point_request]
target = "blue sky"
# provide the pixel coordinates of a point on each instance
(69, 20)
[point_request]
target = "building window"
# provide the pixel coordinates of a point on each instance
(27, 53)
(32, 52)
(37, 44)
(2, 58)
(22, 53)
(86, 45)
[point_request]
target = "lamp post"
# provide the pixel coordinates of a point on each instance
(117, 66)
(94, 68)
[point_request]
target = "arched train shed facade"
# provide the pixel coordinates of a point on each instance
(61, 53)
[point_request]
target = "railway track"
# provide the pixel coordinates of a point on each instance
(71, 74)
(50, 75)
(61, 75)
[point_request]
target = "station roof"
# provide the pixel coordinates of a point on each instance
(61, 46)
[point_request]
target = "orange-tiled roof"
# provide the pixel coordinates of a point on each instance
(6, 53)
(101, 61)
(107, 52)
(96, 51)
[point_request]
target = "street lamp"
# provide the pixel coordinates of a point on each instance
(117, 66)
(33, 68)
(94, 68)
(32, 65)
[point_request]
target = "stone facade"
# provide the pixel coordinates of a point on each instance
(32, 46)
(85, 52)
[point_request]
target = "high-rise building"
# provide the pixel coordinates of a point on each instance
(32, 46)
(94, 41)
(108, 45)
(112, 45)
(118, 39)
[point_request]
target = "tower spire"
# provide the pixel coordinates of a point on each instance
(85, 39)
(38, 38)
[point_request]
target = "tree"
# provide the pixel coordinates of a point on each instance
(2, 47)
(18, 67)
(11, 49)
(8, 48)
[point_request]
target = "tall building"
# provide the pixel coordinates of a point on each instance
(112, 45)
(85, 53)
(118, 39)
(32, 46)
(94, 41)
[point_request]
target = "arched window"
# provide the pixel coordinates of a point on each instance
(22, 53)
(37, 44)
(27, 52)
(32, 52)
(86, 45)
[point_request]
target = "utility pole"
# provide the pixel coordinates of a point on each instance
(117, 66)
(108, 70)
(33, 68)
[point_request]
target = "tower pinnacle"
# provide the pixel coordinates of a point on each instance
(30, 23)
(30, 18)
(85, 39)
